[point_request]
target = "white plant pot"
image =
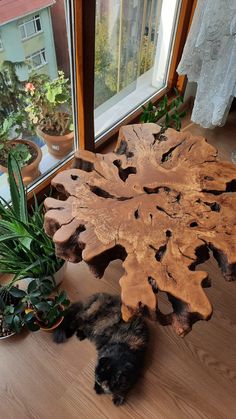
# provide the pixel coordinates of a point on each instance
(58, 276)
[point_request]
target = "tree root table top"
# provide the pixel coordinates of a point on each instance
(161, 202)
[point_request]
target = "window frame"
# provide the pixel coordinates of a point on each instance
(82, 42)
(85, 41)
(24, 26)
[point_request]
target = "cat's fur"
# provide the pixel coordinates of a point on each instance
(121, 346)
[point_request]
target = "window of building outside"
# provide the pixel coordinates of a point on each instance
(134, 40)
(133, 46)
(30, 27)
(35, 89)
(37, 60)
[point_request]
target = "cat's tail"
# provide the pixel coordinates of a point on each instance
(69, 325)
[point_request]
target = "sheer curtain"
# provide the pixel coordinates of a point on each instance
(209, 58)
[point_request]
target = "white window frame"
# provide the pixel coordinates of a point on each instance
(24, 26)
(42, 54)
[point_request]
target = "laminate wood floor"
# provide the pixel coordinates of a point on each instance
(194, 377)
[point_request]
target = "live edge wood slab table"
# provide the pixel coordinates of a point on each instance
(161, 202)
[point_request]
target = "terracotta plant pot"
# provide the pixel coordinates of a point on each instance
(46, 329)
(58, 145)
(31, 171)
(50, 329)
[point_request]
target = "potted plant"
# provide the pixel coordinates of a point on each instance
(26, 251)
(49, 109)
(10, 313)
(43, 311)
(34, 307)
(27, 153)
(170, 116)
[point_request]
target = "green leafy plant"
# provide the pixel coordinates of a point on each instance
(171, 114)
(25, 249)
(33, 307)
(19, 151)
(49, 103)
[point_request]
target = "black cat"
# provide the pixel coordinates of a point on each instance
(121, 346)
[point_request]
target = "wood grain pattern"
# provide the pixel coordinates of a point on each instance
(190, 378)
(160, 203)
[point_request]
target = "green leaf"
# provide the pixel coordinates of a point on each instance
(17, 325)
(43, 306)
(29, 316)
(32, 326)
(16, 292)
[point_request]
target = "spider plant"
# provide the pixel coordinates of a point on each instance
(25, 249)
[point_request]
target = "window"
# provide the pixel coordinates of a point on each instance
(30, 27)
(1, 44)
(37, 60)
(133, 46)
(36, 115)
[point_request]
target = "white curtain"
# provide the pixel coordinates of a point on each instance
(209, 58)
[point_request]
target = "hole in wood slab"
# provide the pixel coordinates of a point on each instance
(202, 254)
(231, 186)
(153, 284)
(164, 304)
(74, 177)
(156, 190)
(123, 149)
(168, 233)
(166, 156)
(213, 205)
(208, 178)
(229, 271)
(178, 197)
(124, 173)
(82, 164)
(150, 215)
(194, 224)
(100, 262)
(136, 214)
(159, 136)
(160, 253)
(103, 194)
(72, 247)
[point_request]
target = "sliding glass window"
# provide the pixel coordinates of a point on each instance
(133, 46)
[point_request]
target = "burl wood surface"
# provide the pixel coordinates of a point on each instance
(161, 202)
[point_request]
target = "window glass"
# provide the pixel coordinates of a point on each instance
(30, 28)
(36, 118)
(134, 40)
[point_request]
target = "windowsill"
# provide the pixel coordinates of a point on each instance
(106, 117)
(32, 36)
(40, 66)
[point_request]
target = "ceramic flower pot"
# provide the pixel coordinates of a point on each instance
(38, 321)
(31, 171)
(58, 276)
(58, 145)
